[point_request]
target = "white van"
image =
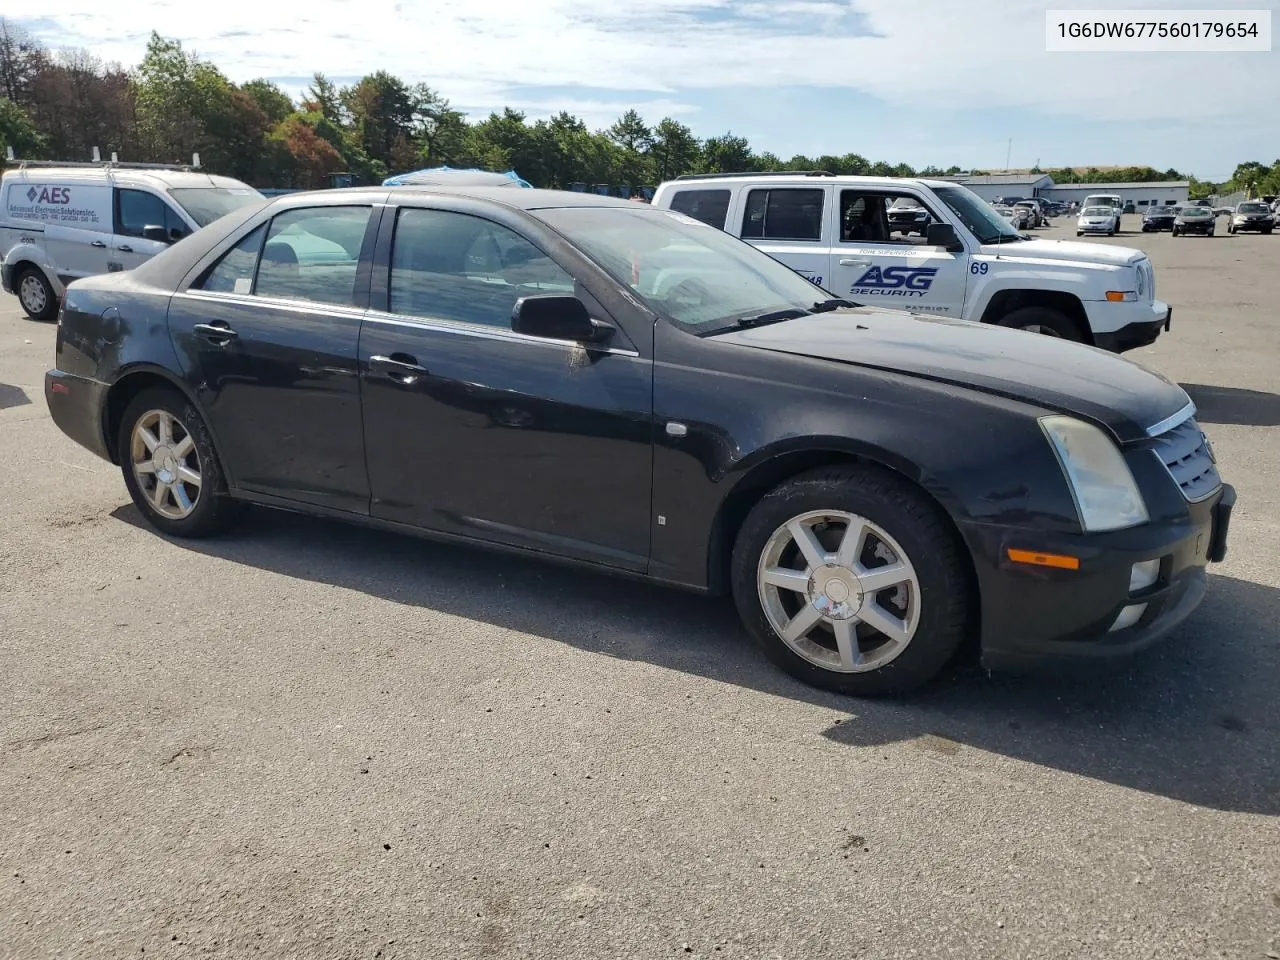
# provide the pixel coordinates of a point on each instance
(61, 222)
(966, 261)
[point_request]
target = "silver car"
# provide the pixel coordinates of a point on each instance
(1102, 220)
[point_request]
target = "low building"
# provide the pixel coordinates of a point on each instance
(997, 185)
(1157, 193)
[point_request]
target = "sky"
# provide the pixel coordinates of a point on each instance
(925, 82)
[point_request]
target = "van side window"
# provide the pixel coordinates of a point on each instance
(234, 272)
(883, 218)
(709, 206)
(137, 209)
(783, 213)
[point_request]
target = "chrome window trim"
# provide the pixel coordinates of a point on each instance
(485, 331)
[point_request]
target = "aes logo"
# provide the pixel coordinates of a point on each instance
(895, 281)
(59, 195)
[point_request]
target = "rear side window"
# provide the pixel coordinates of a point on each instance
(454, 266)
(709, 206)
(783, 214)
(313, 254)
(234, 272)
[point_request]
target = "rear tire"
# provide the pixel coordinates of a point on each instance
(837, 642)
(36, 295)
(1045, 321)
(171, 468)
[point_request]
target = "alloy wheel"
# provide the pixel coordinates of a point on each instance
(839, 591)
(166, 464)
(32, 294)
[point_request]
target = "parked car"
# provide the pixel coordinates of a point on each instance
(907, 217)
(1197, 220)
(65, 221)
(1033, 208)
(621, 387)
(1159, 218)
(1252, 215)
(972, 263)
(1102, 220)
(1020, 217)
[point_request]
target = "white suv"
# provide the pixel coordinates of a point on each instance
(970, 262)
(61, 222)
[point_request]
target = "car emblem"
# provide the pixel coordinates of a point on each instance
(1208, 447)
(32, 194)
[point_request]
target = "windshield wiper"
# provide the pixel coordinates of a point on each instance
(1003, 238)
(776, 316)
(826, 306)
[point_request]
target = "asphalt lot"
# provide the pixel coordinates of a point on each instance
(310, 740)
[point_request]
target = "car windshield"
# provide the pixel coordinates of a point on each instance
(1195, 212)
(976, 214)
(1096, 212)
(1254, 208)
(696, 275)
(1160, 212)
(206, 204)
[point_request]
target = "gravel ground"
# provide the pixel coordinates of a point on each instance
(309, 740)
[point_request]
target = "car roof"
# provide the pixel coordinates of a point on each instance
(803, 179)
(165, 179)
(525, 199)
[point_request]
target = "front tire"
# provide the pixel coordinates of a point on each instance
(1043, 320)
(171, 468)
(36, 295)
(850, 580)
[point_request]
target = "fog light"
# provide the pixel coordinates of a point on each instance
(1143, 575)
(1129, 616)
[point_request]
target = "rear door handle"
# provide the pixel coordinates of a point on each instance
(399, 367)
(218, 331)
(125, 248)
(854, 263)
(98, 243)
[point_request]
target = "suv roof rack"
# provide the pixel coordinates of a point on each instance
(757, 173)
(97, 161)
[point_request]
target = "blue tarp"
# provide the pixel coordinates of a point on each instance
(442, 174)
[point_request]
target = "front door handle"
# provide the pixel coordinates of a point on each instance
(218, 331)
(98, 243)
(855, 263)
(399, 367)
(125, 248)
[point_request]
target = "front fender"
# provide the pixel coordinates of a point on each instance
(1081, 284)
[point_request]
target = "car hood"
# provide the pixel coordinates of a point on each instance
(1067, 250)
(1064, 377)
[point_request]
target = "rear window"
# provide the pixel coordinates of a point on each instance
(784, 213)
(709, 206)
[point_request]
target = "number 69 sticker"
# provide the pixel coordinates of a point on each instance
(978, 267)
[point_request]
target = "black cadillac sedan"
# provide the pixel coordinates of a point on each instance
(1159, 218)
(1195, 220)
(628, 389)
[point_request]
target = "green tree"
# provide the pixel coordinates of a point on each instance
(323, 97)
(22, 58)
(275, 104)
(169, 101)
(673, 151)
(382, 114)
(17, 131)
(727, 154)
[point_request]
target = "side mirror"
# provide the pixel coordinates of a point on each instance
(943, 235)
(177, 233)
(558, 318)
(158, 234)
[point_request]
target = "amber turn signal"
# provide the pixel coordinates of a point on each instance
(1058, 560)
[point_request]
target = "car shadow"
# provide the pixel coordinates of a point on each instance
(1193, 720)
(11, 396)
(1251, 408)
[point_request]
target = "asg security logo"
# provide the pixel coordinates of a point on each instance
(895, 281)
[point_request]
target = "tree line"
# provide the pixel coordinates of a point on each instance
(61, 104)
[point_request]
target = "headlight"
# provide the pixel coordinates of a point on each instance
(1106, 495)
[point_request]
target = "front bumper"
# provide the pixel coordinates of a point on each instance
(1250, 225)
(78, 405)
(1095, 227)
(1204, 228)
(1123, 326)
(1036, 617)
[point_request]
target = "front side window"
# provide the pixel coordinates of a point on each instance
(709, 206)
(137, 209)
(313, 254)
(875, 217)
(454, 266)
(783, 213)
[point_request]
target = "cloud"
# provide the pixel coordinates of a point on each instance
(922, 57)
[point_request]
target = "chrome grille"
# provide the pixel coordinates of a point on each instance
(1147, 284)
(1186, 454)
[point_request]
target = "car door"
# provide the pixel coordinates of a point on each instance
(269, 336)
(136, 210)
(786, 223)
(474, 430)
(77, 224)
(873, 263)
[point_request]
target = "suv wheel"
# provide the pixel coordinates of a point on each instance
(1044, 320)
(170, 467)
(36, 295)
(850, 580)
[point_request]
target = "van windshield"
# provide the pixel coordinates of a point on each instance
(206, 204)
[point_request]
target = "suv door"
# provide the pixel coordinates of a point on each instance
(135, 211)
(883, 264)
(475, 430)
(268, 335)
(786, 223)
